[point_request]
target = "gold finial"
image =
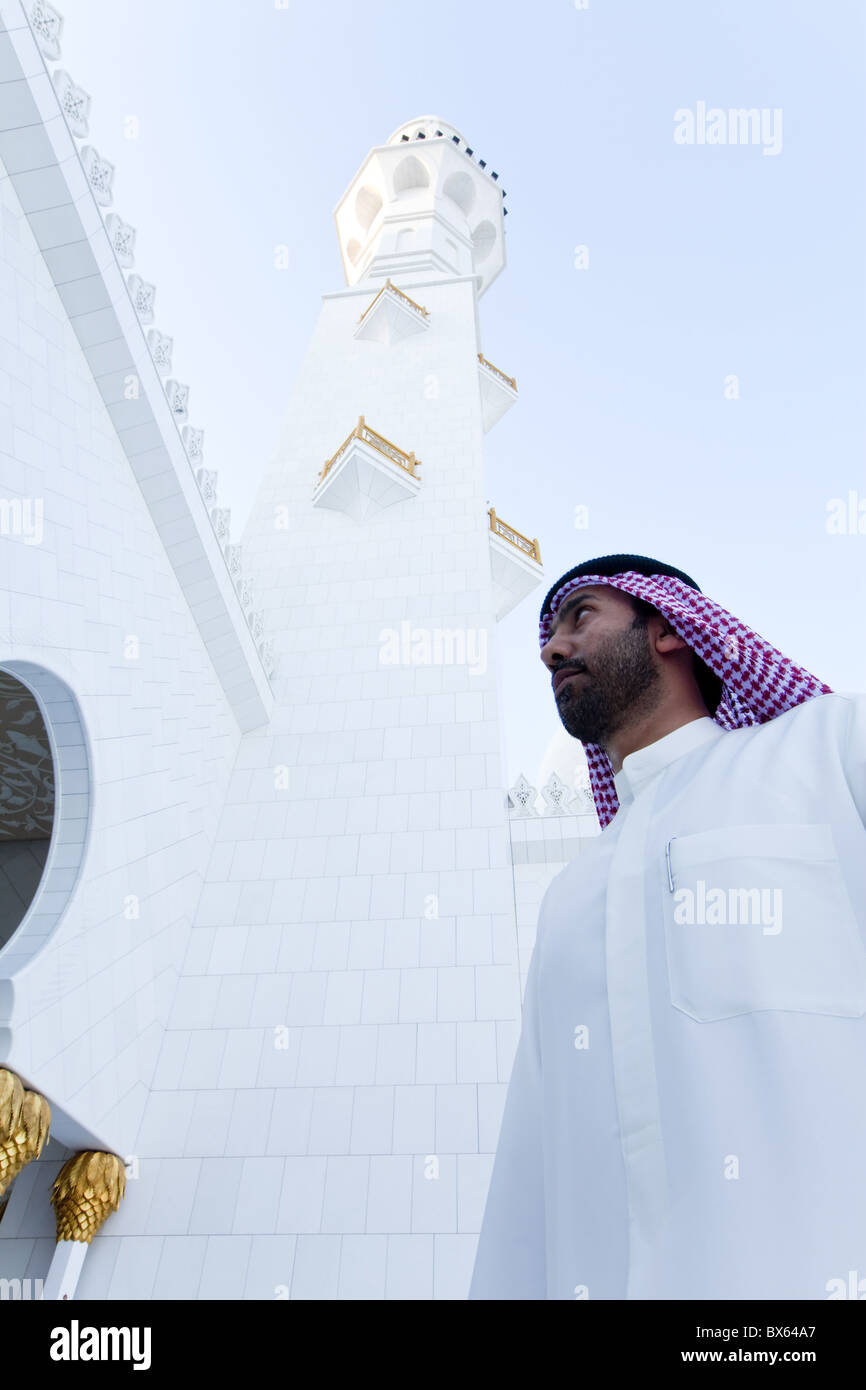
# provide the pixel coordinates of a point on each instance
(25, 1117)
(88, 1188)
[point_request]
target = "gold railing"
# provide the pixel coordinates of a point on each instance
(509, 380)
(378, 441)
(388, 286)
(523, 543)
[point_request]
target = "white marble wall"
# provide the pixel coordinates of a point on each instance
(88, 1012)
(328, 924)
(327, 1098)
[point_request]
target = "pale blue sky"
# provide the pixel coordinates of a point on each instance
(705, 261)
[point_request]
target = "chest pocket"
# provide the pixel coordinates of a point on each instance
(758, 917)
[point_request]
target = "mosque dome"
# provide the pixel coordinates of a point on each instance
(426, 128)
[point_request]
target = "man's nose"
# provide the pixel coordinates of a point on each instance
(556, 650)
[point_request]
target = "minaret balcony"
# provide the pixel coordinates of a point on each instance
(498, 392)
(515, 564)
(392, 316)
(366, 474)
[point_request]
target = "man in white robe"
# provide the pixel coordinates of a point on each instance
(686, 1115)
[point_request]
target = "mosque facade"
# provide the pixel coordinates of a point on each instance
(268, 893)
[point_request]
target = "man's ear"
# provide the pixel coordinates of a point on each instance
(667, 640)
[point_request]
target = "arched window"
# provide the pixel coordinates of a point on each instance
(44, 805)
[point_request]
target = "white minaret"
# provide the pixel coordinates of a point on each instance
(354, 976)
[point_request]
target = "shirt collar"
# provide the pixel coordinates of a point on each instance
(640, 767)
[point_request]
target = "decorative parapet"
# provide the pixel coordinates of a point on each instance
(178, 399)
(556, 794)
(508, 380)
(391, 316)
(221, 518)
(74, 102)
(268, 656)
(233, 560)
(160, 350)
(206, 479)
(521, 798)
(378, 441)
(498, 392)
(100, 174)
(193, 442)
(558, 798)
(411, 303)
(97, 297)
(47, 25)
(529, 547)
(122, 238)
(143, 296)
(366, 474)
(515, 564)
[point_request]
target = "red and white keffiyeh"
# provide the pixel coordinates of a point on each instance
(758, 682)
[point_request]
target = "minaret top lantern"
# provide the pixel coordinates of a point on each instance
(422, 202)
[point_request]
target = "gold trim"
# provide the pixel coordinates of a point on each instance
(508, 533)
(388, 286)
(511, 381)
(382, 445)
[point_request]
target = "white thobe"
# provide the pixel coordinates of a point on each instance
(686, 1115)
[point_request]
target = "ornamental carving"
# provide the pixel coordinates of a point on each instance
(207, 482)
(47, 26)
(556, 794)
(122, 238)
(74, 102)
(266, 652)
(160, 350)
(193, 442)
(521, 798)
(221, 518)
(143, 296)
(233, 560)
(100, 174)
(177, 396)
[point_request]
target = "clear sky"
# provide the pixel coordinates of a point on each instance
(706, 262)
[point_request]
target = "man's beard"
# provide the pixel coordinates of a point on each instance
(623, 685)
